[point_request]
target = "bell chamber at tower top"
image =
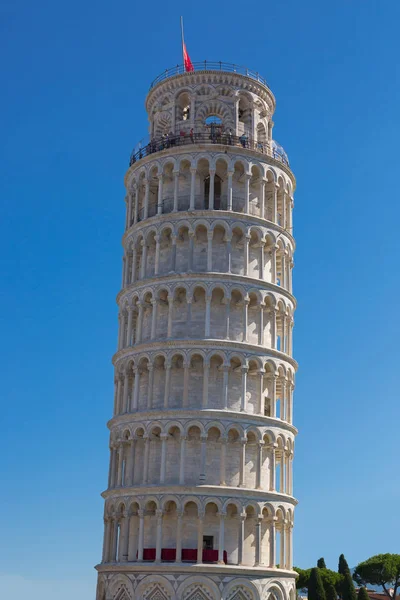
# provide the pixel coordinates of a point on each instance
(218, 103)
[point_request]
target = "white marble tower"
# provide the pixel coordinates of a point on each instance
(199, 504)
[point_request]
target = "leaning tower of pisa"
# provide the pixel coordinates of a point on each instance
(199, 503)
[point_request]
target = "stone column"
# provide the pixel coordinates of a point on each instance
(230, 175)
(164, 438)
(106, 540)
(131, 462)
(272, 543)
(159, 514)
(189, 300)
(170, 309)
(154, 304)
(144, 260)
(287, 473)
(259, 465)
(261, 404)
(275, 189)
(173, 253)
(272, 313)
(208, 316)
(206, 371)
(146, 459)
(283, 340)
(228, 254)
(150, 369)
(182, 461)
(225, 384)
(258, 541)
(191, 249)
(223, 441)
(272, 468)
(211, 192)
(227, 314)
(141, 535)
(113, 458)
(116, 399)
(273, 263)
(119, 385)
(146, 198)
(129, 332)
(242, 472)
(193, 171)
(282, 561)
(120, 461)
(243, 406)
(122, 331)
(262, 198)
(242, 520)
(185, 399)
(124, 539)
(125, 408)
(178, 557)
(209, 250)
(167, 384)
(136, 206)
(261, 338)
(132, 548)
(133, 266)
(247, 193)
(114, 540)
(203, 438)
(246, 254)
(261, 268)
(157, 257)
(136, 388)
(160, 194)
(282, 472)
(176, 190)
(139, 323)
(200, 519)
(221, 538)
(246, 303)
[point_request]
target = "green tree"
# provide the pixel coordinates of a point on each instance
(321, 563)
(315, 586)
(362, 594)
(331, 593)
(343, 567)
(382, 569)
(347, 588)
(303, 578)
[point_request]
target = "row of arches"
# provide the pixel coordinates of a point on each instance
(203, 182)
(119, 586)
(176, 380)
(193, 531)
(202, 247)
(191, 455)
(206, 312)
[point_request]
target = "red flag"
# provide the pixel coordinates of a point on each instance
(186, 59)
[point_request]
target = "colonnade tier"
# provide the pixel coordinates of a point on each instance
(206, 312)
(171, 528)
(203, 379)
(171, 453)
(208, 246)
(206, 181)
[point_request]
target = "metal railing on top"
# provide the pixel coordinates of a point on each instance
(149, 146)
(210, 65)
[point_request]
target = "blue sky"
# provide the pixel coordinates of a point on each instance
(74, 78)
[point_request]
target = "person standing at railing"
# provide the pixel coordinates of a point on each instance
(191, 133)
(243, 140)
(229, 136)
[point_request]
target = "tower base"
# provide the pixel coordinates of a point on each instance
(188, 582)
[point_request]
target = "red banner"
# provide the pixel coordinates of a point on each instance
(186, 60)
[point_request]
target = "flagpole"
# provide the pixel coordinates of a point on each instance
(183, 41)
